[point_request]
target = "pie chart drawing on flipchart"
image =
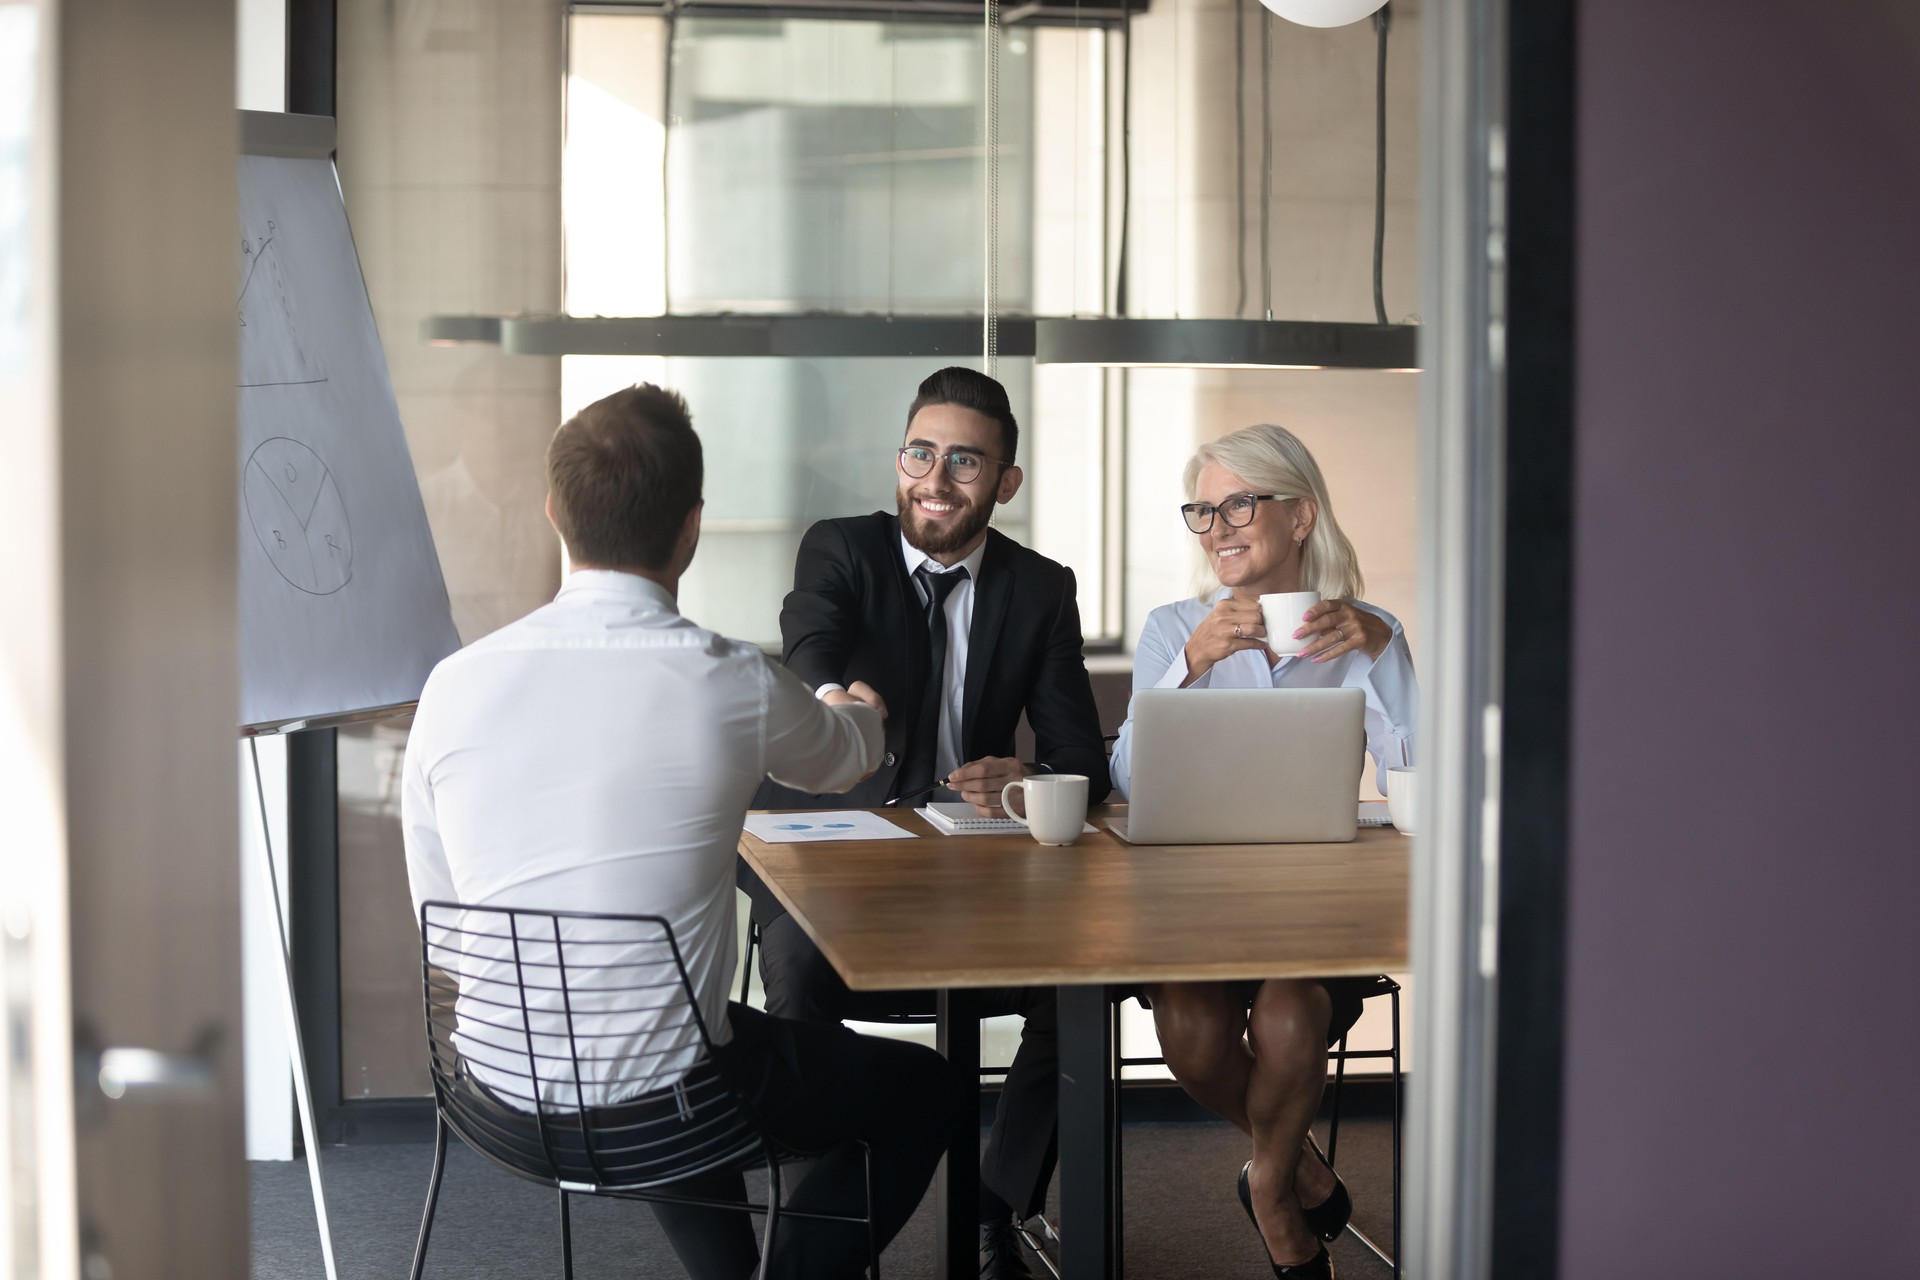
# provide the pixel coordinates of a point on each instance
(298, 516)
(343, 610)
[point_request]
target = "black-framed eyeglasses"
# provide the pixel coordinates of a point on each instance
(916, 462)
(1237, 511)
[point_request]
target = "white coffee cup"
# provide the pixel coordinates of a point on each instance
(1403, 796)
(1282, 612)
(1056, 806)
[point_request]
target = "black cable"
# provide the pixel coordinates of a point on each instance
(666, 157)
(893, 145)
(1266, 160)
(1080, 59)
(1382, 20)
(1240, 151)
(1126, 153)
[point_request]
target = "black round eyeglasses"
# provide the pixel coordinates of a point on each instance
(916, 463)
(1237, 511)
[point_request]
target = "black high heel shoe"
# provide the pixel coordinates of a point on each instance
(1326, 1219)
(1331, 1216)
(1320, 1265)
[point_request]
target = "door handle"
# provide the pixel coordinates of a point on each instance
(131, 1071)
(125, 1070)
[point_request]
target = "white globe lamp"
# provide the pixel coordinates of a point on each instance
(1323, 13)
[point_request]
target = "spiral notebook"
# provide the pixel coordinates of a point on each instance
(957, 818)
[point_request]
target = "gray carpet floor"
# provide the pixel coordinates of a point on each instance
(1183, 1219)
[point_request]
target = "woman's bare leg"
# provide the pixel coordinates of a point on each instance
(1263, 1071)
(1287, 1029)
(1202, 1028)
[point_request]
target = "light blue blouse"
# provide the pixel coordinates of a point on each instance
(1160, 662)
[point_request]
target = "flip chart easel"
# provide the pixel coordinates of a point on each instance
(296, 1050)
(343, 608)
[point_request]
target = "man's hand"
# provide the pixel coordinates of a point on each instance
(869, 695)
(980, 783)
(861, 693)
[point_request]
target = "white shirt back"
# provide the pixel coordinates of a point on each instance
(599, 755)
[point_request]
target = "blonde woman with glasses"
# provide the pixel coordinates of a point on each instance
(1256, 1052)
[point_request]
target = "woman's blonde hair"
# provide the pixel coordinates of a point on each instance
(1272, 460)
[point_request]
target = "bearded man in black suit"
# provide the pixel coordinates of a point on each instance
(960, 630)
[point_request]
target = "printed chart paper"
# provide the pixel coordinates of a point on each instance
(827, 824)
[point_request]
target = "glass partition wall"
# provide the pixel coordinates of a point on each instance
(800, 165)
(814, 165)
(826, 166)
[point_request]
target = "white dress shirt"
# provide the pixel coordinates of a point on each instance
(599, 755)
(1160, 662)
(953, 686)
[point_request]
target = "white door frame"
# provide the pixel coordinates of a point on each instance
(1455, 881)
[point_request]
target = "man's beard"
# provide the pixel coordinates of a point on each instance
(944, 538)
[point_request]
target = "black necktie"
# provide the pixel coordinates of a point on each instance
(923, 752)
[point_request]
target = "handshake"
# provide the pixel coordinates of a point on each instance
(979, 782)
(860, 693)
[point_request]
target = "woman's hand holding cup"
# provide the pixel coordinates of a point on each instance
(1334, 627)
(1232, 626)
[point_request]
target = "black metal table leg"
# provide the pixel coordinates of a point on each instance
(1087, 1247)
(957, 1185)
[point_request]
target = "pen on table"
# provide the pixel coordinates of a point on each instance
(917, 792)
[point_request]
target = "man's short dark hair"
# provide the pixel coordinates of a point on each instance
(971, 389)
(624, 473)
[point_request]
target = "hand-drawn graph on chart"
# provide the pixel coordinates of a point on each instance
(296, 511)
(272, 351)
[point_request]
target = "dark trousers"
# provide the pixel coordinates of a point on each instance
(1023, 1145)
(820, 1088)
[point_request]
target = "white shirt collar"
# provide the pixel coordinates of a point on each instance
(915, 557)
(612, 584)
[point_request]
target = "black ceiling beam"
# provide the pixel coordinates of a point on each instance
(799, 336)
(1249, 344)
(1231, 344)
(1057, 13)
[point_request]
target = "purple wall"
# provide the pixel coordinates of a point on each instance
(1743, 1056)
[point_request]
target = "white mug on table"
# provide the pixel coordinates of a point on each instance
(1282, 612)
(1403, 793)
(1056, 806)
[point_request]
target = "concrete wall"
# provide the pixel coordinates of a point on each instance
(449, 160)
(450, 163)
(1743, 879)
(1183, 231)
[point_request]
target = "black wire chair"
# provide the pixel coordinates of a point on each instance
(568, 1048)
(1339, 1055)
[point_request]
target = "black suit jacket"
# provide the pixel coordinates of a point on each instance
(853, 614)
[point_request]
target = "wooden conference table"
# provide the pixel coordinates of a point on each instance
(957, 913)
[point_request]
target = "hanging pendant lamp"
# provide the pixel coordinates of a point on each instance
(1323, 13)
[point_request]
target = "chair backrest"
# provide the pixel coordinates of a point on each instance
(570, 1047)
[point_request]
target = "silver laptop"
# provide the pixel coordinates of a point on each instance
(1244, 766)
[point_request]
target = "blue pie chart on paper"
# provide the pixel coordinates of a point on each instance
(793, 826)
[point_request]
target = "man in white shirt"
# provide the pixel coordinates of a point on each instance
(600, 755)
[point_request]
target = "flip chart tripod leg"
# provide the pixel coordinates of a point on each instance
(296, 1052)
